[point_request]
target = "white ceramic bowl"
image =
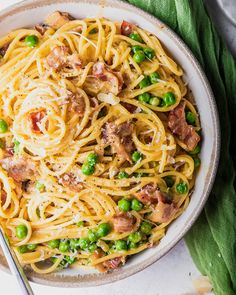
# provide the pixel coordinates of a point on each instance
(31, 12)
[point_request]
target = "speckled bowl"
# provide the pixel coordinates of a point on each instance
(30, 12)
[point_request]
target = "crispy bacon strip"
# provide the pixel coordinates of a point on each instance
(70, 181)
(57, 19)
(114, 263)
(35, 119)
(127, 28)
(119, 137)
(123, 222)
(57, 58)
(178, 126)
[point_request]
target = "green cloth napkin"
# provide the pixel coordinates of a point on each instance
(212, 240)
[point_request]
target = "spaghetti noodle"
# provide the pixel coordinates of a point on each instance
(99, 142)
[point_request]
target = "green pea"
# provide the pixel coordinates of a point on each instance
(103, 229)
(31, 40)
(68, 259)
(31, 247)
(136, 205)
(92, 236)
(146, 228)
(136, 156)
(16, 147)
(21, 231)
(124, 205)
(139, 56)
(123, 174)
(196, 150)
(121, 245)
(136, 48)
(136, 37)
(64, 246)
(132, 245)
(3, 126)
(190, 118)
(149, 52)
(181, 188)
(92, 247)
(22, 249)
(169, 98)
(135, 237)
(145, 97)
(83, 243)
(40, 186)
(92, 159)
(87, 169)
(145, 82)
(154, 101)
(80, 223)
(93, 31)
(197, 162)
(154, 77)
(74, 244)
(169, 181)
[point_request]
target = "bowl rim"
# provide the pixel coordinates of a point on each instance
(101, 279)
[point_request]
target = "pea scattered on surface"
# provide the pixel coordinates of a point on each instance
(103, 229)
(197, 162)
(139, 56)
(154, 77)
(135, 237)
(145, 82)
(145, 97)
(124, 205)
(80, 223)
(87, 169)
(83, 243)
(149, 53)
(154, 101)
(132, 245)
(31, 40)
(69, 260)
(92, 235)
(3, 126)
(16, 147)
(92, 247)
(121, 245)
(22, 249)
(136, 37)
(146, 228)
(136, 48)
(136, 205)
(123, 174)
(64, 246)
(92, 159)
(181, 188)
(169, 99)
(21, 231)
(196, 150)
(31, 247)
(190, 118)
(136, 156)
(74, 244)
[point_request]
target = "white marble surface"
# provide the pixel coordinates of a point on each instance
(172, 275)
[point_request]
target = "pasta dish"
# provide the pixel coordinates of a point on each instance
(99, 142)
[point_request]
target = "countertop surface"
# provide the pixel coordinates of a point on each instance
(171, 275)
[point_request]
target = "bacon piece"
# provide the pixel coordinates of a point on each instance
(20, 169)
(163, 212)
(114, 263)
(75, 61)
(77, 104)
(123, 222)
(42, 28)
(72, 182)
(150, 194)
(178, 126)
(4, 48)
(127, 28)
(58, 19)
(119, 137)
(35, 119)
(112, 81)
(57, 58)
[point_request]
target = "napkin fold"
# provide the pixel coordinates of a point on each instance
(212, 239)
